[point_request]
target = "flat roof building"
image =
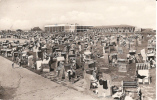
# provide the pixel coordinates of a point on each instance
(114, 28)
(66, 28)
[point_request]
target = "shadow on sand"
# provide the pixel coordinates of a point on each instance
(7, 93)
(17, 67)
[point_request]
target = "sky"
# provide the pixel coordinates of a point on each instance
(26, 14)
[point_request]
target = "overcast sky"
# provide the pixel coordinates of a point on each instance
(26, 14)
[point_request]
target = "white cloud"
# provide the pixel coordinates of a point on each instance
(8, 23)
(140, 13)
(81, 17)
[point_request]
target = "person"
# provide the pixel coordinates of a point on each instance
(69, 74)
(13, 65)
(154, 63)
(151, 62)
(139, 93)
(142, 37)
(19, 63)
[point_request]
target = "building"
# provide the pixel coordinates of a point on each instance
(154, 30)
(114, 28)
(146, 30)
(66, 28)
(138, 29)
(36, 29)
(19, 30)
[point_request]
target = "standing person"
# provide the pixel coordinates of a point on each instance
(13, 65)
(142, 37)
(151, 62)
(69, 74)
(140, 93)
(20, 64)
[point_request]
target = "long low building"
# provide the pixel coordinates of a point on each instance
(114, 28)
(66, 28)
